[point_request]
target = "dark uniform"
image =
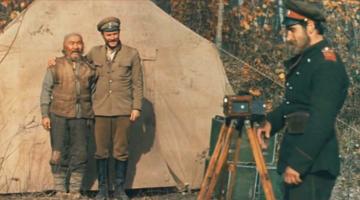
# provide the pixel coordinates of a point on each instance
(316, 87)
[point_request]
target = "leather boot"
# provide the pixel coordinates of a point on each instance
(120, 170)
(103, 179)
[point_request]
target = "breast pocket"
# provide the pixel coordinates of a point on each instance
(122, 71)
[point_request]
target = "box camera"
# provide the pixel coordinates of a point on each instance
(238, 106)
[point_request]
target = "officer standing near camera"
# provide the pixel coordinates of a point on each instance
(117, 102)
(316, 88)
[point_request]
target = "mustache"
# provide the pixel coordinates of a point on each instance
(291, 42)
(76, 51)
(112, 41)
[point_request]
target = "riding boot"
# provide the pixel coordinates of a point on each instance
(103, 179)
(120, 170)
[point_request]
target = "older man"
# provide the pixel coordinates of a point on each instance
(316, 87)
(67, 112)
(117, 102)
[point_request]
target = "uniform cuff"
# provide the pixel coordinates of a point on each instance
(137, 107)
(300, 160)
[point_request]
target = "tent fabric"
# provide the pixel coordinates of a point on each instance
(184, 84)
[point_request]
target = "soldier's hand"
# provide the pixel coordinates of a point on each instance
(263, 134)
(291, 176)
(46, 123)
(135, 114)
(51, 62)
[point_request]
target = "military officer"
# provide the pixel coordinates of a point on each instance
(316, 87)
(66, 111)
(117, 102)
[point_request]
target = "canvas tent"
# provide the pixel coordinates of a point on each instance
(184, 84)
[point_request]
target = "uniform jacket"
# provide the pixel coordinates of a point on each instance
(119, 88)
(317, 83)
(71, 88)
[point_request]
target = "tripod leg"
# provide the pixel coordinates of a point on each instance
(232, 169)
(213, 161)
(233, 166)
(260, 162)
(222, 159)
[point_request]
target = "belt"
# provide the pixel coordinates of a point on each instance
(295, 122)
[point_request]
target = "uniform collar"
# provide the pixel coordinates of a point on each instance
(316, 48)
(110, 54)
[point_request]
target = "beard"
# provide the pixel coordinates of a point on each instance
(75, 55)
(299, 45)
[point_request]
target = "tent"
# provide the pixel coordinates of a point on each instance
(184, 84)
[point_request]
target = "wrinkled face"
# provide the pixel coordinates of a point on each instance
(73, 47)
(112, 39)
(297, 37)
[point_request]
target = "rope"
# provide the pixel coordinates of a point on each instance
(22, 15)
(253, 68)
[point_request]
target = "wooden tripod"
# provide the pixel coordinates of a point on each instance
(220, 155)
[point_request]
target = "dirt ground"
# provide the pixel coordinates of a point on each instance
(148, 194)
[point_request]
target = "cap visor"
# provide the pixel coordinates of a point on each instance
(289, 22)
(114, 29)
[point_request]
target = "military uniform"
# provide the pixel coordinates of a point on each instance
(66, 100)
(119, 91)
(315, 90)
